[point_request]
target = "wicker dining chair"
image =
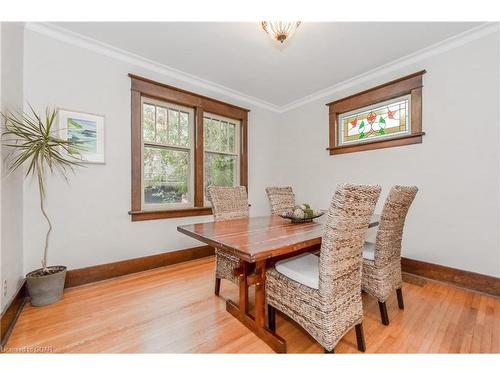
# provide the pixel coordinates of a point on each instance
(281, 199)
(382, 260)
(323, 294)
(227, 203)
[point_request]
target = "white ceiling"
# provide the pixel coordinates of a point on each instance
(242, 57)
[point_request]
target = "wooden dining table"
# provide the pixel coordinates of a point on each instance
(258, 242)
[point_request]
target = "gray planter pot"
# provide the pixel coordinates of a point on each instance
(45, 289)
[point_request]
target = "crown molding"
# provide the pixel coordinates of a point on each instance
(82, 41)
(432, 50)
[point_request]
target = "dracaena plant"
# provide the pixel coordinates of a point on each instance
(36, 146)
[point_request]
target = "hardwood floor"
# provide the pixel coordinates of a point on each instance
(174, 310)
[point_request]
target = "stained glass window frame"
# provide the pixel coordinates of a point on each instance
(374, 108)
(411, 85)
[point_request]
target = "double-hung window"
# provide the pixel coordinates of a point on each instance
(182, 143)
(168, 155)
(222, 152)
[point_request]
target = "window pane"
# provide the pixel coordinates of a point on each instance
(206, 132)
(173, 127)
(214, 130)
(223, 144)
(220, 170)
(161, 125)
(231, 139)
(184, 128)
(387, 119)
(166, 176)
(219, 135)
(148, 127)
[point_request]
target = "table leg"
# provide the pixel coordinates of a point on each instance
(243, 286)
(260, 294)
(240, 312)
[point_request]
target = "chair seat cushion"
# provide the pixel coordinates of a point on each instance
(303, 268)
(369, 251)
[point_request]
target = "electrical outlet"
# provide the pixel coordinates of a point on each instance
(4, 288)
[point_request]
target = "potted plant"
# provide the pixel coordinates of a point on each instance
(36, 145)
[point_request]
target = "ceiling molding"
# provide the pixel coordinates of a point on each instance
(435, 49)
(94, 45)
(82, 41)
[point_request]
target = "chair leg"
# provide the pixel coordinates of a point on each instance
(383, 313)
(330, 351)
(401, 304)
(360, 337)
(217, 286)
(271, 318)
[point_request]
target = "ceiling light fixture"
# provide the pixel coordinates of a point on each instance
(280, 30)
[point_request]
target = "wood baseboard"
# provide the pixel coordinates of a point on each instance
(101, 272)
(9, 317)
(464, 279)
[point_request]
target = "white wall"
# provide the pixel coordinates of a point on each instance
(11, 94)
(91, 223)
(454, 220)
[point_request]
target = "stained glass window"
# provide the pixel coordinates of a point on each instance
(387, 119)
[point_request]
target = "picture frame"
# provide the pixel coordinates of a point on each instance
(88, 130)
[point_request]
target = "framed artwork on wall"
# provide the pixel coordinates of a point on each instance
(86, 131)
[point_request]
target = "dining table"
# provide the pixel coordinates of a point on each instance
(258, 242)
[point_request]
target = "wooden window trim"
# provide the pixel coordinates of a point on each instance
(410, 84)
(140, 87)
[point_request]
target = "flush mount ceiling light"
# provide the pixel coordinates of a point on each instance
(280, 30)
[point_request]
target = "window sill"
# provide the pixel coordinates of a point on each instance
(382, 143)
(167, 214)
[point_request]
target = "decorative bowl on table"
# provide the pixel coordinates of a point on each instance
(302, 214)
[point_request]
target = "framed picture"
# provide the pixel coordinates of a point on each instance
(86, 130)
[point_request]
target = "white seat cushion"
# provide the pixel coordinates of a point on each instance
(369, 251)
(302, 268)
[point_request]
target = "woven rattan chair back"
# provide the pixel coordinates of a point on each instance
(228, 202)
(281, 199)
(392, 221)
(342, 243)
